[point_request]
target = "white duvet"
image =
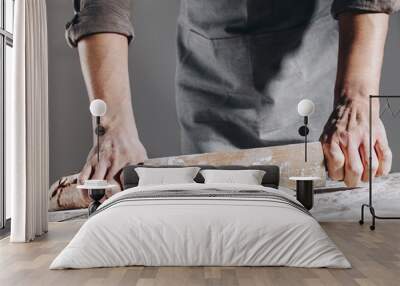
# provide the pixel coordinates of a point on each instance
(188, 231)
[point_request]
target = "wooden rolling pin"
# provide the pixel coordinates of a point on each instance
(289, 158)
(63, 194)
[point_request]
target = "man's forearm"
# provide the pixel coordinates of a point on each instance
(345, 138)
(361, 48)
(104, 62)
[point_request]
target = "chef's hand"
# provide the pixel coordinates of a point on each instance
(104, 62)
(345, 137)
(345, 142)
(119, 147)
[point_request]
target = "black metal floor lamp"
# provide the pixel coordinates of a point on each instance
(370, 202)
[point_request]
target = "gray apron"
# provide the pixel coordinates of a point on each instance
(243, 65)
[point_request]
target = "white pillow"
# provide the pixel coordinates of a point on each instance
(162, 176)
(247, 177)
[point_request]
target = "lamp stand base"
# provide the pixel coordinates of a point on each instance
(305, 193)
(96, 195)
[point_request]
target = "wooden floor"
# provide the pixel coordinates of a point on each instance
(375, 257)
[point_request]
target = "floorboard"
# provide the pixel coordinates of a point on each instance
(375, 257)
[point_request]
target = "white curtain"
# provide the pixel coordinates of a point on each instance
(27, 123)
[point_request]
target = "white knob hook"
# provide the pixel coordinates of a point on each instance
(98, 108)
(305, 107)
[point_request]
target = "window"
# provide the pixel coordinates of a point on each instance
(6, 44)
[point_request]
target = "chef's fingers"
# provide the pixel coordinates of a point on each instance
(364, 153)
(384, 156)
(100, 169)
(114, 172)
(334, 159)
(353, 165)
(85, 173)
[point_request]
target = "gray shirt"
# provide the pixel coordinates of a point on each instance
(243, 65)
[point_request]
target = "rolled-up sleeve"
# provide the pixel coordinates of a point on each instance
(100, 16)
(374, 6)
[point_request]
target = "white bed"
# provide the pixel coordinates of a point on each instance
(183, 230)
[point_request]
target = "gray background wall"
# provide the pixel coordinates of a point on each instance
(152, 68)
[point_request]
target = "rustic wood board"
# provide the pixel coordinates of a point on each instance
(289, 158)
